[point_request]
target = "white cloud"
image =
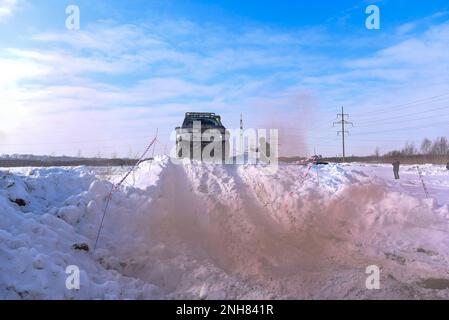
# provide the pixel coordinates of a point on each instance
(7, 8)
(15, 70)
(406, 28)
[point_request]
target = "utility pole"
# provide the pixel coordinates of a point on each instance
(342, 116)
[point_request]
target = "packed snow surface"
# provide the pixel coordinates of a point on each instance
(205, 231)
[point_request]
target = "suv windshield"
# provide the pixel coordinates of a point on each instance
(205, 122)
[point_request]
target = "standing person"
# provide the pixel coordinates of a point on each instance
(396, 164)
(447, 166)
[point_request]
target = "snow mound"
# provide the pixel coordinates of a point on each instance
(203, 231)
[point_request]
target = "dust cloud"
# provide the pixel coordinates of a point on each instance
(293, 121)
(244, 238)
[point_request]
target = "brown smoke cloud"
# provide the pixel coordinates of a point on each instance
(292, 119)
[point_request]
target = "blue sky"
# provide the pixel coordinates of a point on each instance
(137, 65)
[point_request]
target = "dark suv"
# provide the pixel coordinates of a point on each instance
(198, 131)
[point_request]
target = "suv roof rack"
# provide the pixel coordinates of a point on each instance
(200, 115)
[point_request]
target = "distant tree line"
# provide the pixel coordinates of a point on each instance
(436, 152)
(67, 163)
(437, 147)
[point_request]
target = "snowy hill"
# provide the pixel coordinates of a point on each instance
(202, 231)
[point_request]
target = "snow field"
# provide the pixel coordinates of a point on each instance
(202, 231)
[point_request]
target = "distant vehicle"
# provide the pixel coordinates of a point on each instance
(318, 159)
(211, 128)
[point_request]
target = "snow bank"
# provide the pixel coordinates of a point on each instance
(205, 231)
(36, 240)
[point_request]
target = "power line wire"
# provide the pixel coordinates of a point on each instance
(387, 123)
(407, 105)
(401, 129)
(446, 108)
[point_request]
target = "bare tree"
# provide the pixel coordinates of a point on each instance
(440, 146)
(426, 146)
(394, 154)
(377, 152)
(409, 149)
